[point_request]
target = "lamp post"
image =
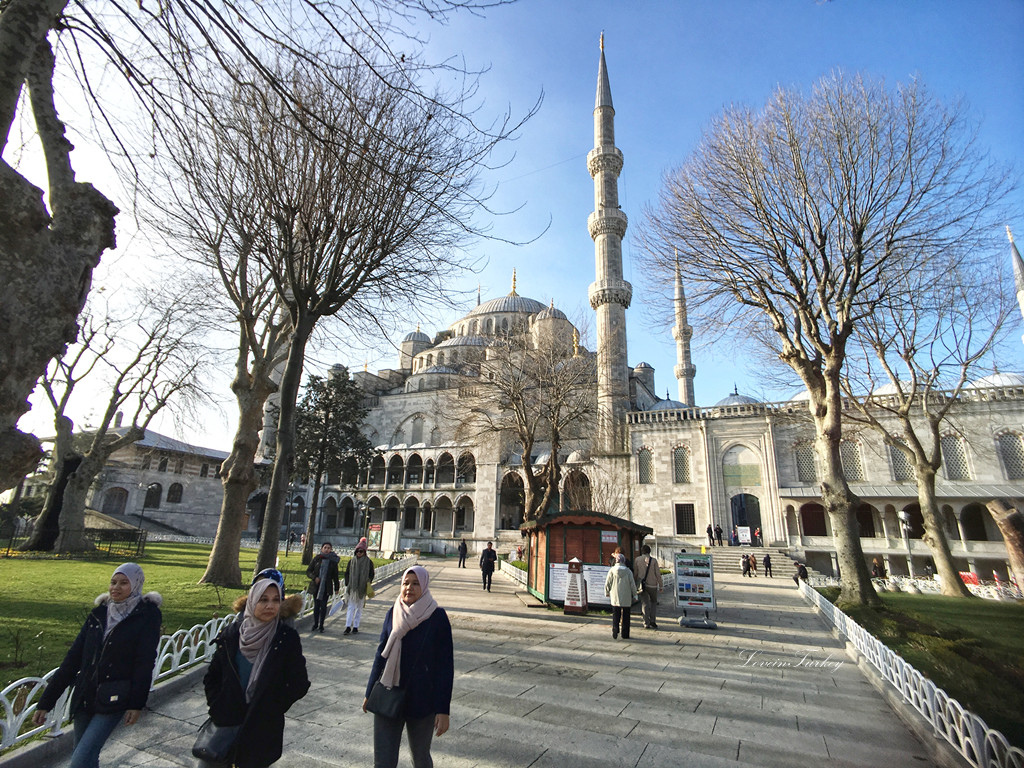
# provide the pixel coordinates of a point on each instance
(904, 517)
(364, 517)
(142, 513)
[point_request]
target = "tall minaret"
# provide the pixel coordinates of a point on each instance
(1018, 272)
(682, 332)
(610, 295)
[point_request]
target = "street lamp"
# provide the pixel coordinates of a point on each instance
(904, 517)
(362, 516)
(142, 513)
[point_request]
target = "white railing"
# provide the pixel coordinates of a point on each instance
(966, 732)
(518, 574)
(176, 653)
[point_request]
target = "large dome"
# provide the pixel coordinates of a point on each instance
(737, 399)
(998, 380)
(510, 303)
(416, 335)
(464, 341)
(667, 405)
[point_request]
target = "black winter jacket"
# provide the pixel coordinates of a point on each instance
(282, 683)
(313, 573)
(128, 654)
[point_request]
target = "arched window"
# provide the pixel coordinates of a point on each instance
(681, 464)
(154, 492)
(902, 466)
(204, 470)
(645, 466)
(114, 501)
(174, 493)
(806, 471)
(1011, 451)
(849, 455)
(954, 456)
(490, 327)
(147, 461)
(417, 430)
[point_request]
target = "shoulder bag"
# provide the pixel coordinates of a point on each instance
(216, 743)
(387, 702)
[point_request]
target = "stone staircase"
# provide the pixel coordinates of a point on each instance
(726, 560)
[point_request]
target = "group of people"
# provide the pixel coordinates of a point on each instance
(626, 585)
(748, 564)
(714, 534)
(258, 670)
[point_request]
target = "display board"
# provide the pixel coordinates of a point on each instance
(594, 575)
(694, 580)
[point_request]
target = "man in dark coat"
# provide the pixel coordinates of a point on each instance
(488, 560)
(718, 534)
(323, 582)
(711, 536)
(463, 551)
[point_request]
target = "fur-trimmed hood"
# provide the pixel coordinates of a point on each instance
(291, 606)
(150, 597)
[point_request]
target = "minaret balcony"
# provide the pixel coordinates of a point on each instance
(607, 221)
(604, 158)
(610, 292)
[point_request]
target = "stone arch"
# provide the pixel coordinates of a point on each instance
(746, 511)
(916, 520)
(465, 513)
(429, 473)
(812, 520)
(741, 466)
(445, 469)
(391, 507)
(577, 491)
(866, 515)
(154, 492)
(511, 501)
(466, 470)
(396, 470)
(414, 469)
(329, 513)
(972, 522)
(377, 470)
(410, 510)
(348, 513)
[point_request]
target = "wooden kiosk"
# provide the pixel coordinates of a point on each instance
(554, 539)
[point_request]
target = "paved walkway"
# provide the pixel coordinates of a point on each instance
(770, 687)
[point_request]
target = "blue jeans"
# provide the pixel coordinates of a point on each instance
(91, 733)
(387, 738)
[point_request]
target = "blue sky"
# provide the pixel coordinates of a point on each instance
(673, 66)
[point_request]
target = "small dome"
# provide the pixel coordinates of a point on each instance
(891, 389)
(464, 341)
(551, 313)
(577, 457)
(737, 399)
(998, 380)
(667, 405)
(645, 366)
(416, 336)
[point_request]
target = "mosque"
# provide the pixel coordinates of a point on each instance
(675, 467)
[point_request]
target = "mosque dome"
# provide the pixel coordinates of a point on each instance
(512, 303)
(667, 405)
(464, 341)
(801, 397)
(998, 380)
(891, 389)
(577, 457)
(737, 399)
(439, 369)
(644, 365)
(416, 335)
(551, 313)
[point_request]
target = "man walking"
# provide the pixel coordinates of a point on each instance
(767, 562)
(324, 582)
(488, 559)
(463, 551)
(647, 571)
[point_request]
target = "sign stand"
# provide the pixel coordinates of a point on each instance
(575, 589)
(694, 586)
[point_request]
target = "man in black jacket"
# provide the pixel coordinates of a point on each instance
(488, 560)
(323, 575)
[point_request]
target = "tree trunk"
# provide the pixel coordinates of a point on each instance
(46, 261)
(841, 504)
(238, 473)
(284, 455)
(1011, 525)
(72, 516)
(935, 536)
(47, 527)
(307, 549)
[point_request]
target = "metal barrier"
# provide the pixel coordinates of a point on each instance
(517, 574)
(176, 653)
(966, 732)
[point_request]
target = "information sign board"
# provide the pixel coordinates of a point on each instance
(743, 534)
(694, 580)
(594, 575)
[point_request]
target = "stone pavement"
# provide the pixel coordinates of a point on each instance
(770, 687)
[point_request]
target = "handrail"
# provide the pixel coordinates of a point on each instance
(176, 653)
(965, 731)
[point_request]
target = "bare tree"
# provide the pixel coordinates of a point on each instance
(50, 244)
(797, 222)
(926, 347)
(148, 364)
(534, 392)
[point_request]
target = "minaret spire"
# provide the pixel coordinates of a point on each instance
(1018, 272)
(682, 332)
(610, 295)
(513, 292)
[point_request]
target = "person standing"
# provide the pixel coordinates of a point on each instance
(110, 664)
(718, 534)
(647, 571)
(711, 535)
(767, 562)
(757, 536)
(463, 551)
(257, 672)
(323, 575)
(620, 586)
(358, 577)
(745, 565)
(488, 561)
(416, 654)
(753, 565)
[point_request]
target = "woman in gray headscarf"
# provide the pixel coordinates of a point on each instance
(110, 664)
(257, 672)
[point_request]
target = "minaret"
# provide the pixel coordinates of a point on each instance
(1018, 272)
(682, 332)
(610, 295)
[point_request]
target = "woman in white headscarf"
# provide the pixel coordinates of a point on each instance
(415, 654)
(257, 672)
(110, 663)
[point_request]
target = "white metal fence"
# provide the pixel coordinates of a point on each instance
(970, 736)
(176, 653)
(518, 574)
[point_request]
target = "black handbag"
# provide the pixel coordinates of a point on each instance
(112, 696)
(216, 743)
(387, 702)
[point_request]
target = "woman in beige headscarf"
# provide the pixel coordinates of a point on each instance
(257, 672)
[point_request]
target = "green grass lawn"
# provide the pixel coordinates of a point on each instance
(43, 603)
(972, 649)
